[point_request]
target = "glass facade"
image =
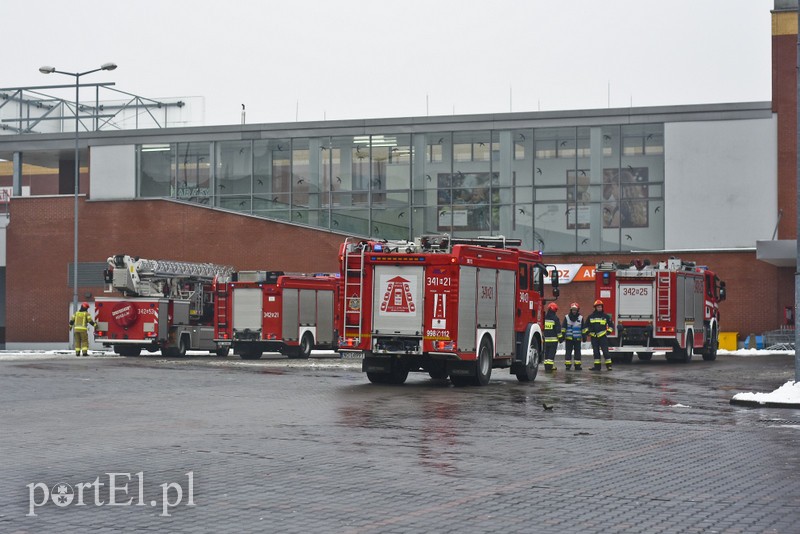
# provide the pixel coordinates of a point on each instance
(560, 189)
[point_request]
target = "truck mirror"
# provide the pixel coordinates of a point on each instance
(722, 291)
(556, 292)
(554, 278)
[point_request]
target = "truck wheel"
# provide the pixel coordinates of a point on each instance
(378, 378)
(710, 353)
(399, 373)
(223, 352)
(304, 349)
(626, 357)
(127, 351)
(528, 373)
(483, 365)
(438, 371)
(681, 355)
(460, 381)
(645, 356)
(183, 345)
(250, 353)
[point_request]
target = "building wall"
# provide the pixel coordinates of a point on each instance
(784, 103)
(720, 189)
(40, 248)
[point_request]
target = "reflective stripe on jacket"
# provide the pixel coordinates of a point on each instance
(552, 328)
(600, 324)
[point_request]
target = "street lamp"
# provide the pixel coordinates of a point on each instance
(77, 75)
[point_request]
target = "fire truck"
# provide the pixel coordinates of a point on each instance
(671, 307)
(260, 311)
(165, 305)
(451, 307)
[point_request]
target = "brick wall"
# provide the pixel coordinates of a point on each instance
(39, 242)
(784, 103)
(40, 247)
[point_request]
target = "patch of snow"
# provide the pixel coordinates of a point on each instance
(789, 393)
(679, 406)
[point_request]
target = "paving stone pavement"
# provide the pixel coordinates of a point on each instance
(313, 447)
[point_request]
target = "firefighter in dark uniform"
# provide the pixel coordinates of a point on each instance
(600, 325)
(552, 335)
(574, 334)
(79, 323)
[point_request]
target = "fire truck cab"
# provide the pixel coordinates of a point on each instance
(263, 311)
(164, 305)
(672, 306)
(451, 307)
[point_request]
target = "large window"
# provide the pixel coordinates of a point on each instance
(561, 189)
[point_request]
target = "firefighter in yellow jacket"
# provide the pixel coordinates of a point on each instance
(600, 325)
(79, 324)
(552, 336)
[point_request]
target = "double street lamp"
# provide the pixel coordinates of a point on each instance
(77, 75)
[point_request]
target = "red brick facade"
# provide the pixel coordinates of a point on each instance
(784, 104)
(40, 248)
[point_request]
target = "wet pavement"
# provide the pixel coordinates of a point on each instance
(280, 446)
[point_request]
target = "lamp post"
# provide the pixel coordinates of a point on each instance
(77, 75)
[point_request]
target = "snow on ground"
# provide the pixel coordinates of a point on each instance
(789, 393)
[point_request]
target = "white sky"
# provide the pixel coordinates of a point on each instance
(346, 59)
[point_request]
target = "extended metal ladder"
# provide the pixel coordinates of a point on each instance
(353, 313)
(664, 282)
(221, 307)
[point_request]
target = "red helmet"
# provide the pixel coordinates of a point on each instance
(598, 302)
(574, 305)
(85, 305)
(552, 307)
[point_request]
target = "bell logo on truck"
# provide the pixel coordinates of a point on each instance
(397, 298)
(125, 314)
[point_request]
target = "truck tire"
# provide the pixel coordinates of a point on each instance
(378, 378)
(183, 346)
(303, 350)
(483, 363)
(250, 353)
(529, 371)
(124, 350)
(645, 356)
(710, 354)
(623, 357)
(681, 355)
(437, 371)
(222, 352)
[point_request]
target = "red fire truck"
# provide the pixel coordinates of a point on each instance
(165, 305)
(442, 305)
(260, 311)
(672, 306)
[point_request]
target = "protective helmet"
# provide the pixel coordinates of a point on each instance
(552, 307)
(85, 305)
(598, 302)
(575, 306)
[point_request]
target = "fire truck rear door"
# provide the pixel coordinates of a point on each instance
(636, 300)
(246, 308)
(397, 306)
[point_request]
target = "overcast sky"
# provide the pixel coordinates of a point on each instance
(345, 59)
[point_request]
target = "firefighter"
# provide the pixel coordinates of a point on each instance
(600, 325)
(79, 323)
(552, 335)
(574, 334)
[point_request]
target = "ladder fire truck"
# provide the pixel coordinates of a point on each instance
(165, 305)
(260, 311)
(451, 307)
(672, 306)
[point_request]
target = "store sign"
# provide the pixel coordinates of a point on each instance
(573, 272)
